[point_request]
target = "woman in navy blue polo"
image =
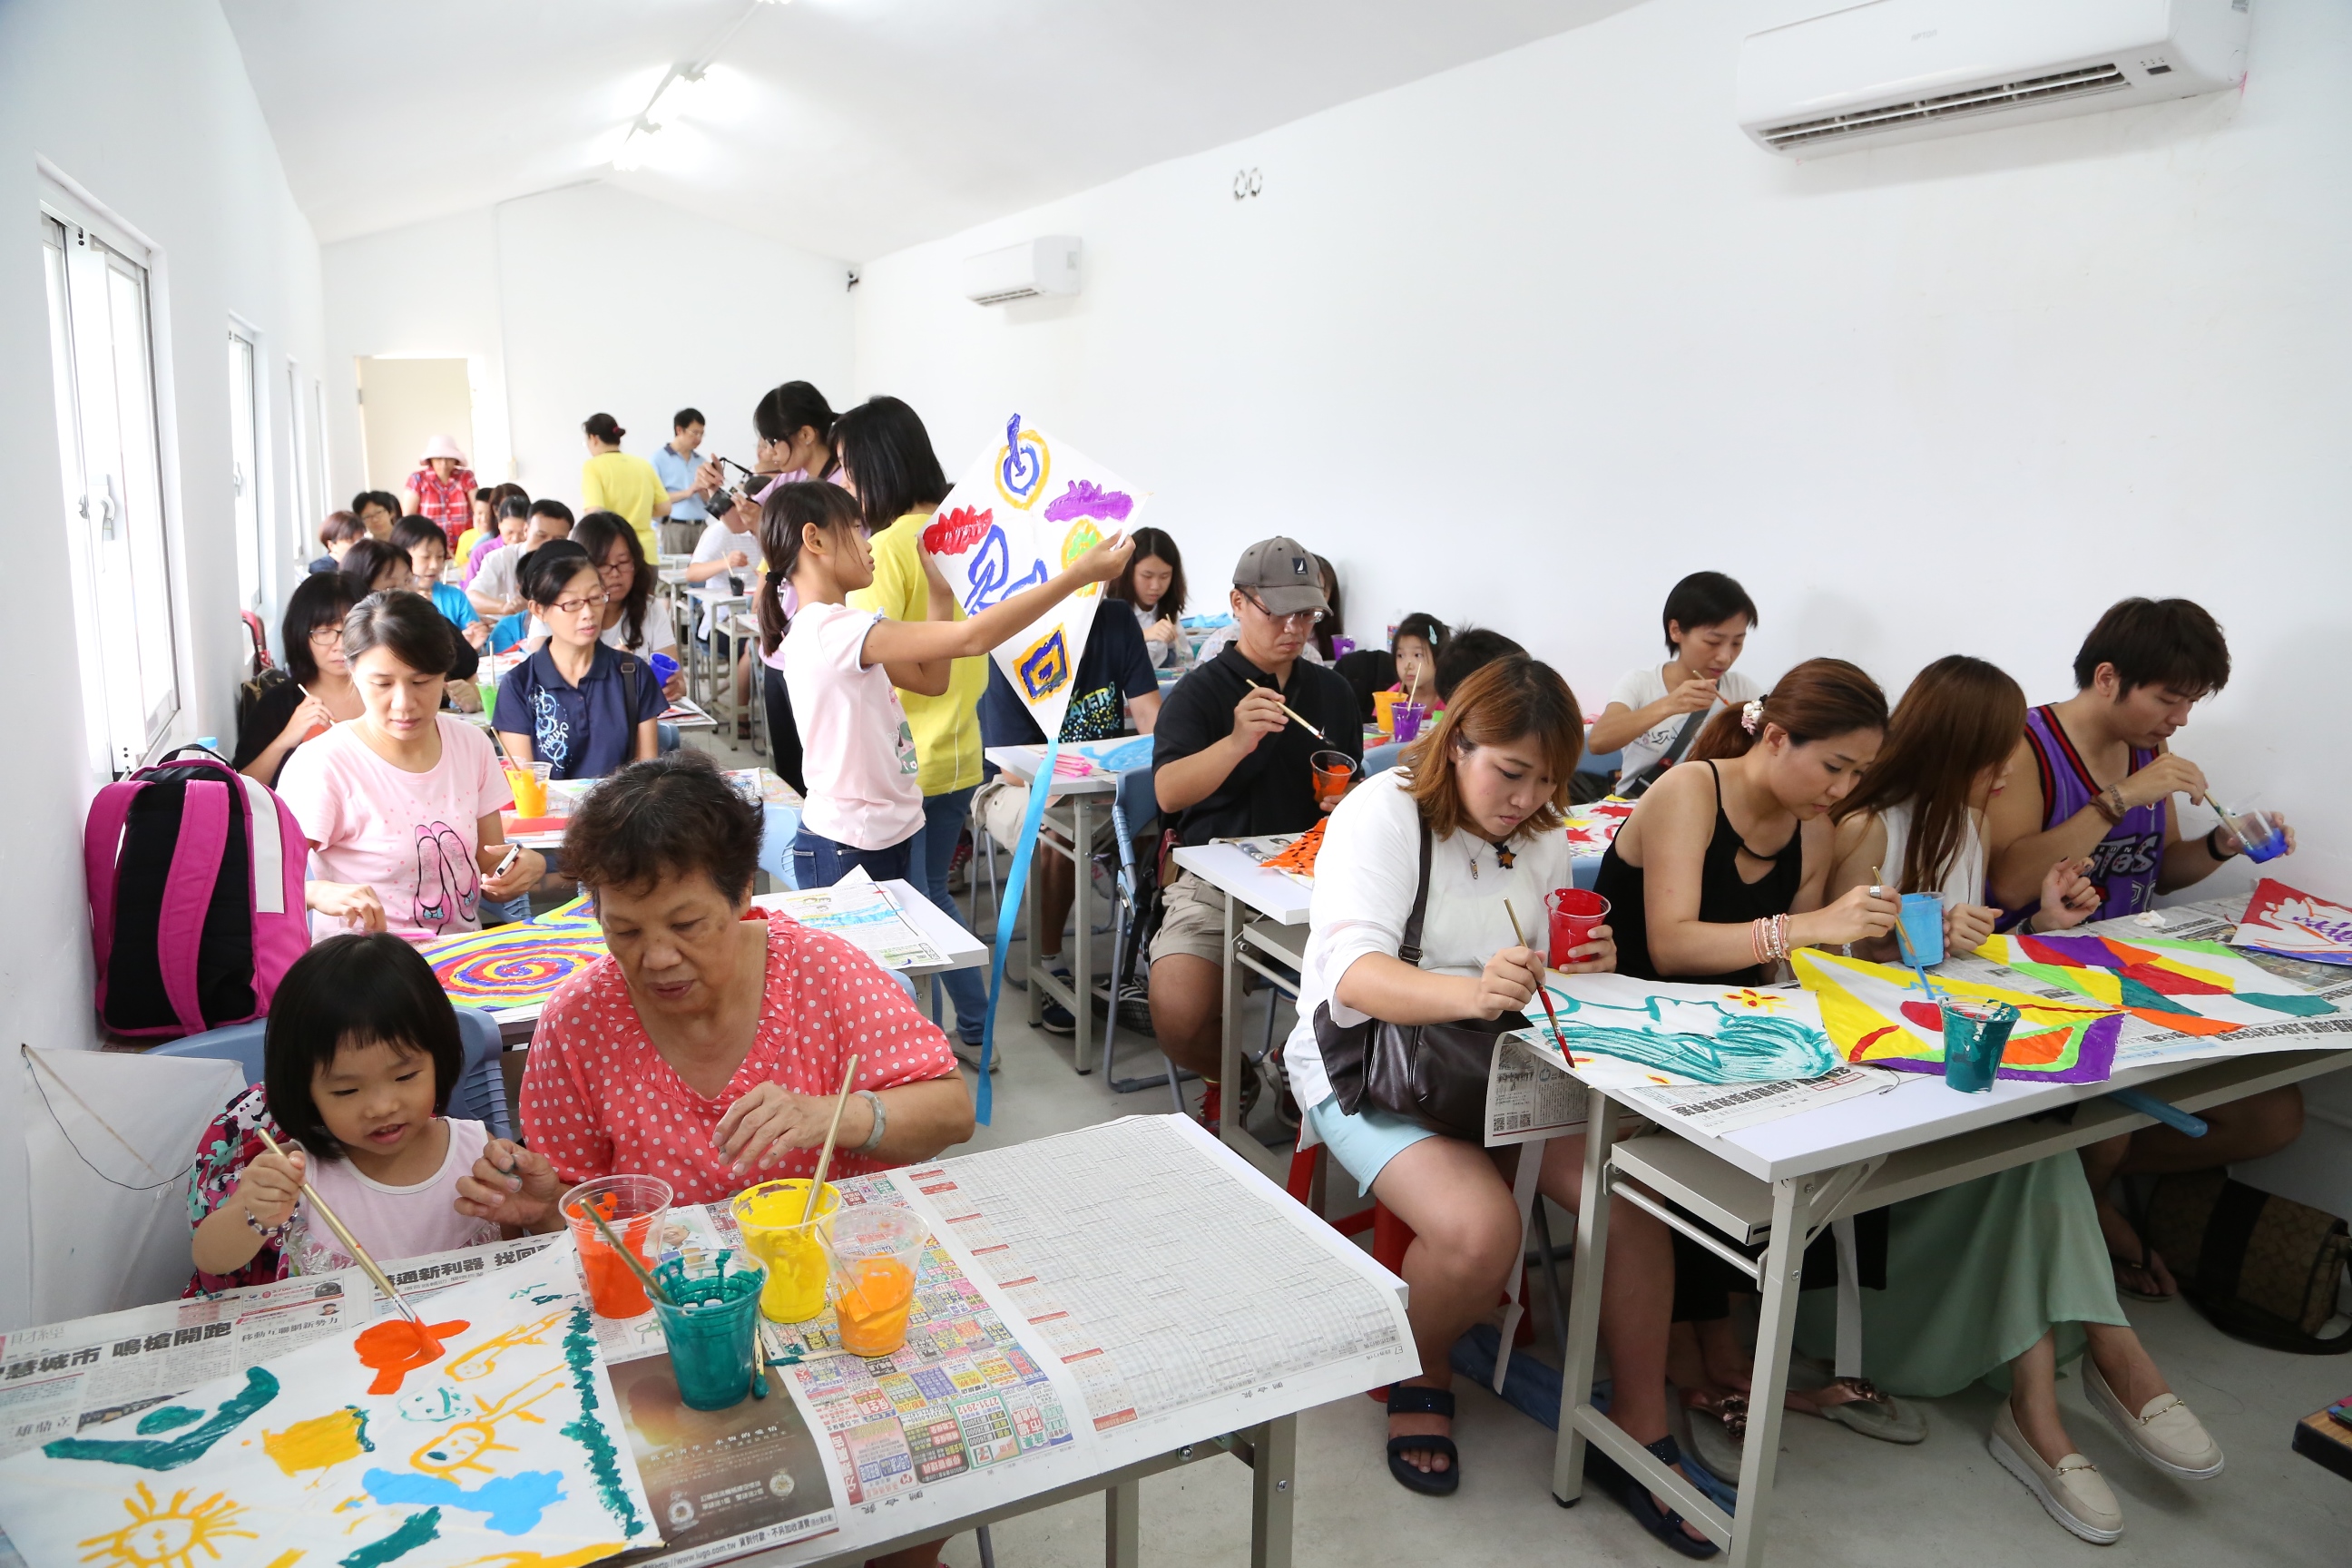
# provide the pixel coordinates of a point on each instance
(578, 704)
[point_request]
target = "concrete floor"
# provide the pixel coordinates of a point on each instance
(1841, 1498)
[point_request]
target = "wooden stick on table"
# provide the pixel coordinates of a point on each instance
(352, 1245)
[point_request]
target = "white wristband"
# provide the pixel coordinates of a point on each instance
(881, 1122)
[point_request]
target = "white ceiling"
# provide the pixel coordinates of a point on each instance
(849, 127)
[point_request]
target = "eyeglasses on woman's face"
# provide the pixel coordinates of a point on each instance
(327, 636)
(574, 605)
(1298, 620)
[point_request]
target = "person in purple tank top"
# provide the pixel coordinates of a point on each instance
(2093, 781)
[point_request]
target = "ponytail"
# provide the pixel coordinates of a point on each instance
(1820, 698)
(785, 517)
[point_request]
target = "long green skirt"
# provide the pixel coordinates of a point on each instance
(1975, 1276)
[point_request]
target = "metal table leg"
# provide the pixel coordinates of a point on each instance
(1082, 954)
(1584, 1301)
(1229, 1041)
(1036, 926)
(1123, 1525)
(1274, 1491)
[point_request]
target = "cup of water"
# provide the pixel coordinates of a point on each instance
(1923, 929)
(2261, 832)
(1975, 1032)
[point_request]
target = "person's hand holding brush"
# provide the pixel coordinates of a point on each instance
(510, 1185)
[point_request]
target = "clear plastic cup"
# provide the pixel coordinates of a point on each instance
(872, 1252)
(529, 781)
(2263, 834)
(635, 1207)
(1333, 772)
(1408, 718)
(707, 1323)
(768, 1217)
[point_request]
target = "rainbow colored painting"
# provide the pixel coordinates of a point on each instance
(2194, 987)
(1877, 1016)
(519, 965)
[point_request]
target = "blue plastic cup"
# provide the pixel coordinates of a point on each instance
(2264, 838)
(1923, 929)
(1974, 1035)
(664, 667)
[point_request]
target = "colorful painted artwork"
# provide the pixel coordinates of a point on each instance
(1024, 510)
(1592, 828)
(332, 1455)
(1879, 1016)
(2194, 987)
(2296, 924)
(518, 965)
(1656, 1032)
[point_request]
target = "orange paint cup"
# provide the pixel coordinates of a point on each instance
(636, 1207)
(1333, 772)
(529, 788)
(872, 1252)
(1384, 709)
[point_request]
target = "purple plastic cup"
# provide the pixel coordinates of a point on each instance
(1408, 717)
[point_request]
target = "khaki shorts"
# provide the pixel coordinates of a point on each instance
(1194, 921)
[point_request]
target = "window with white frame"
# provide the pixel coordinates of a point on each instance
(307, 513)
(245, 467)
(126, 626)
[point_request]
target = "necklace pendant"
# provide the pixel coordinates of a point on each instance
(1504, 857)
(1474, 868)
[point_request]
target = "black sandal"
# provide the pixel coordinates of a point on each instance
(1663, 1523)
(1405, 1400)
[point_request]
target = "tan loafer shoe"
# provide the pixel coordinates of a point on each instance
(2166, 1431)
(2074, 1492)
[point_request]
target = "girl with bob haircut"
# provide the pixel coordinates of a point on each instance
(316, 691)
(359, 1059)
(2009, 1271)
(1485, 790)
(401, 805)
(1153, 584)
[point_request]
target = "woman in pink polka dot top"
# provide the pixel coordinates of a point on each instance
(706, 1049)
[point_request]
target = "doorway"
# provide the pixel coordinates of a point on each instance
(404, 403)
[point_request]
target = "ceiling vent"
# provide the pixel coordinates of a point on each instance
(1048, 265)
(1902, 70)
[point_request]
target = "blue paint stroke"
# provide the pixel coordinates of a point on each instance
(1020, 469)
(170, 1418)
(1704, 1041)
(512, 1504)
(992, 573)
(1086, 498)
(170, 1453)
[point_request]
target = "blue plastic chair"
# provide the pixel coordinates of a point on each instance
(480, 1095)
(1380, 759)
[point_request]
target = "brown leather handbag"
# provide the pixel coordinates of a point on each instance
(1433, 1075)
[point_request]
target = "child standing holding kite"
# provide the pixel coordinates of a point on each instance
(844, 666)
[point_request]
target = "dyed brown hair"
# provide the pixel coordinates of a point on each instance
(1502, 702)
(1960, 717)
(1820, 698)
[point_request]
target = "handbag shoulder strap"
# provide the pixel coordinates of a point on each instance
(1409, 949)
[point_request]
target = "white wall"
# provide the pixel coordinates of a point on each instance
(1526, 341)
(580, 301)
(148, 108)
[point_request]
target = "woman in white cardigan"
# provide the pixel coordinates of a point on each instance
(1489, 785)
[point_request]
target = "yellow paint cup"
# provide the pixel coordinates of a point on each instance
(1384, 709)
(769, 1218)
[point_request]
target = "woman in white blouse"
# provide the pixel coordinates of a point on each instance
(1489, 785)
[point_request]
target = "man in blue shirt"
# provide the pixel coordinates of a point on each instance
(676, 463)
(1114, 682)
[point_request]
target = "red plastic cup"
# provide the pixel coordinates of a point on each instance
(1573, 913)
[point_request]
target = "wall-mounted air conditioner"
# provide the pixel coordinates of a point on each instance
(1842, 76)
(1048, 265)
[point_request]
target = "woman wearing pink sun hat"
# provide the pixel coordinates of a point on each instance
(442, 488)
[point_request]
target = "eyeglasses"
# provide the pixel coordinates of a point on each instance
(573, 606)
(1302, 620)
(321, 636)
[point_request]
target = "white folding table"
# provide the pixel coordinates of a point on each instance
(1278, 935)
(1781, 1182)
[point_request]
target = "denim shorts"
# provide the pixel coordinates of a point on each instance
(1365, 1141)
(820, 862)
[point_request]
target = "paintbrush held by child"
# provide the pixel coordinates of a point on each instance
(359, 1058)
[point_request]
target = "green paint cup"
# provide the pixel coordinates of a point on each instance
(709, 1322)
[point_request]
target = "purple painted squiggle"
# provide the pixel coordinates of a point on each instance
(1085, 498)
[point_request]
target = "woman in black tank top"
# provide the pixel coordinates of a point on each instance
(1725, 896)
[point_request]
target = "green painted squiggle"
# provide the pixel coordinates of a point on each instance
(1704, 1041)
(192, 1443)
(417, 1530)
(603, 1463)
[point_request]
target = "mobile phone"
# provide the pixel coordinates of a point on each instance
(514, 853)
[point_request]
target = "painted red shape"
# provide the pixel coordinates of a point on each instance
(393, 1349)
(1927, 1014)
(953, 532)
(2171, 981)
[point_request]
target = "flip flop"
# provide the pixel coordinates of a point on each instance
(1717, 1429)
(1407, 1400)
(1663, 1523)
(1869, 1411)
(2143, 1267)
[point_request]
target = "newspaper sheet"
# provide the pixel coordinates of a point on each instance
(1710, 1109)
(861, 911)
(1530, 1094)
(2210, 920)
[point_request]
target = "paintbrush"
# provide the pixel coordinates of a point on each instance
(613, 1240)
(352, 1245)
(1541, 990)
(1295, 716)
(840, 1103)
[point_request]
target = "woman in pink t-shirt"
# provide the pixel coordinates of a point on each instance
(400, 804)
(844, 667)
(707, 1047)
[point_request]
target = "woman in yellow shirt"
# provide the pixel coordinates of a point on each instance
(887, 462)
(613, 481)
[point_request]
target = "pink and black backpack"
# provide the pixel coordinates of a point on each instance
(195, 895)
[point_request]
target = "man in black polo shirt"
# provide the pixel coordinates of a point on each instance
(1229, 764)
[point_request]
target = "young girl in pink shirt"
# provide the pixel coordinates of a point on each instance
(843, 667)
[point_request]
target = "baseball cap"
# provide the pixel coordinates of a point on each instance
(1282, 575)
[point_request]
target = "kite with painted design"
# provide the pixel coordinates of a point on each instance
(2195, 987)
(1879, 1015)
(2292, 923)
